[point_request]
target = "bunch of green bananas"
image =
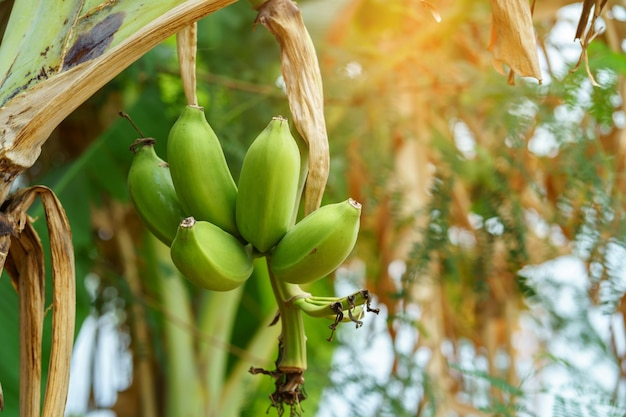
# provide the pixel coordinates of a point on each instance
(216, 229)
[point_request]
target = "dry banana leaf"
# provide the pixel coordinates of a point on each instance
(26, 256)
(513, 41)
(303, 80)
(187, 44)
(8, 227)
(25, 264)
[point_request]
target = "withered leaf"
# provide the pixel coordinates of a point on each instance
(25, 264)
(303, 79)
(513, 41)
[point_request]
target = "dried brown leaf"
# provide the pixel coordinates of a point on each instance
(25, 264)
(63, 303)
(303, 80)
(513, 38)
(27, 260)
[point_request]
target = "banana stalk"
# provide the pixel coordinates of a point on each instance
(292, 346)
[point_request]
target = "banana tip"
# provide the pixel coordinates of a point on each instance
(187, 222)
(355, 203)
(141, 142)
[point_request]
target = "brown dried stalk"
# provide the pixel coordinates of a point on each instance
(25, 265)
(303, 80)
(186, 44)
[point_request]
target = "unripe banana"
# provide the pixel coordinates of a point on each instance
(200, 173)
(209, 256)
(318, 244)
(152, 191)
(268, 186)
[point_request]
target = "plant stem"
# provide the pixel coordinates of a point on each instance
(292, 347)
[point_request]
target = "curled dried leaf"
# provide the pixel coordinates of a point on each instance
(63, 302)
(513, 38)
(27, 260)
(303, 80)
(25, 264)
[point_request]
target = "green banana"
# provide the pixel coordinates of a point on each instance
(268, 186)
(210, 257)
(203, 182)
(318, 244)
(152, 191)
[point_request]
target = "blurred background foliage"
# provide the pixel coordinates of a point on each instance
(493, 229)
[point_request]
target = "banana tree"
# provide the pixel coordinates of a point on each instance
(80, 46)
(55, 55)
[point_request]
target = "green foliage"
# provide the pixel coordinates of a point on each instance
(579, 123)
(568, 407)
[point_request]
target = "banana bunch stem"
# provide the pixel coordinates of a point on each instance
(291, 362)
(292, 347)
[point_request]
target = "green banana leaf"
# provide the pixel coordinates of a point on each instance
(56, 54)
